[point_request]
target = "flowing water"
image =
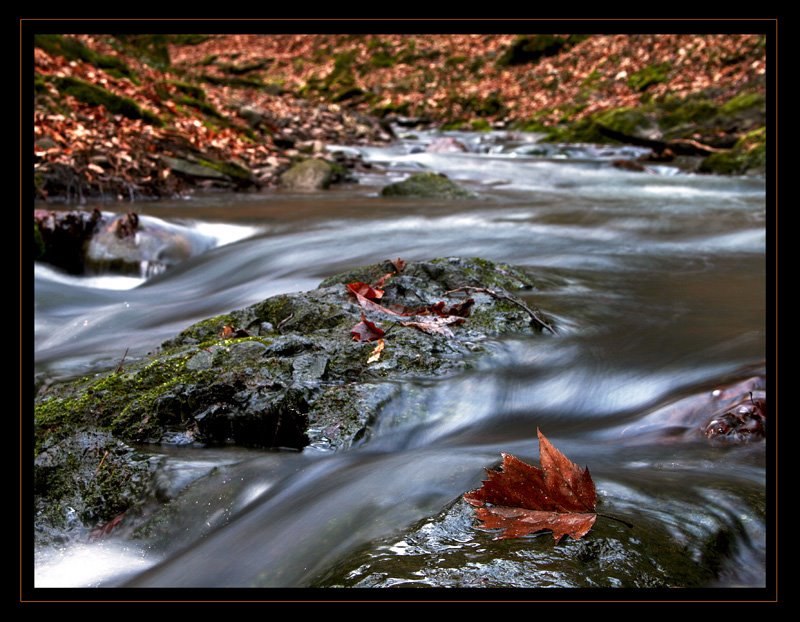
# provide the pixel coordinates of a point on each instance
(657, 281)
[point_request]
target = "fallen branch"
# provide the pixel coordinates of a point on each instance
(534, 316)
(679, 146)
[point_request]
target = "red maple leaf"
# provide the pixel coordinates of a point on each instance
(523, 499)
(366, 330)
(363, 289)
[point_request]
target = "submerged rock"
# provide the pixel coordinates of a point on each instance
(448, 550)
(286, 372)
(311, 174)
(427, 185)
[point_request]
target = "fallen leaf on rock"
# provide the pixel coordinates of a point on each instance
(462, 309)
(369, 305)
(436, 325)
(366, 330)
(363, 289)
(398, 264)
(382, 281)
(229, 332)
(744, 421)
(376, 352)
(521, 499)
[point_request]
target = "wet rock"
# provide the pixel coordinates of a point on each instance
(94, 243)
(427, 185)
(309, 174)
(730, 413)
(296, 345)
(447, 550)
(204, 167)
(748, 156)
(744, 421)
(88, 479)
(62, 237)
(297, 378)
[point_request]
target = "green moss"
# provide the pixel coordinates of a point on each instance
(190, 90)
(97, 96)
(150, 49)
(481, 125)
(453, 126)
(488, 106)
(198, 104)
(227, 168)
(55, 418)
(625, 120)
(382, 59)
(675, 111)
(426, 185)
(749, 154)
(39, 84)
(208, 60)
(200, 331)
(743, 101)
(648, 76)
(72, 49)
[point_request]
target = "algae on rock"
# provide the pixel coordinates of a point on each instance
(426, 185)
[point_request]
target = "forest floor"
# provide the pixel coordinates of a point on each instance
(129, 117)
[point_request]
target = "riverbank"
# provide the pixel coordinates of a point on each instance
(153, 116)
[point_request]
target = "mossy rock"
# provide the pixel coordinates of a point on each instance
(72, 49)
(427, 185)
(748, 156)
(292, 375)
(85, 480)
(648, 76)
(215, 387)
(96, 96)
(308, 175)
(742, 102)
(206, 167)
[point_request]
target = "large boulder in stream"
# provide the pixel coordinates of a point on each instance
(289, 371)
(428, 186)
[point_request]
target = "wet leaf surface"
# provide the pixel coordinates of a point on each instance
(521, 499)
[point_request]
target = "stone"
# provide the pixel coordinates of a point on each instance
(427, 185)
(295, 379)
(307, 175)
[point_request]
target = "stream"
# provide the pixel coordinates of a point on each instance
(657, 281)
